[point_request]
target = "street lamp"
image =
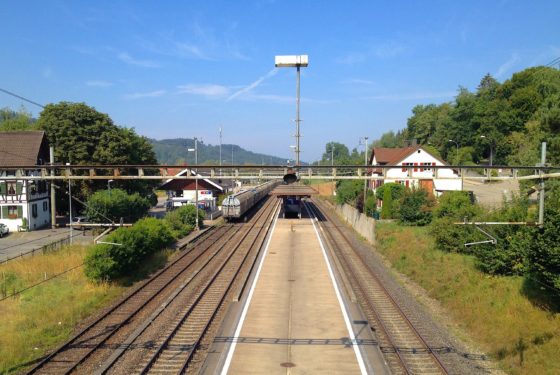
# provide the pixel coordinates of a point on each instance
(109, 185)
(70, 205)
(456, 144)
(195, 149)
(491, 151)
(294, 61)
(365, 139)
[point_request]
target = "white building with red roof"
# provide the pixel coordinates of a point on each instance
(415, 169)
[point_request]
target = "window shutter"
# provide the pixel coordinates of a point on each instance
(421, 167)
(3, 188)
(403, 168)
(434, 163)
(4, 212)
(19, 212)
(19, 188)
(415, 167)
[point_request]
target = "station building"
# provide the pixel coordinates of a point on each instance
(181, 191)
(415, 169)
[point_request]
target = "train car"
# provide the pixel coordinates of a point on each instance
(292, 206)
(236, 205)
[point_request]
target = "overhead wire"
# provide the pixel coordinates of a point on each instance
(21, 97)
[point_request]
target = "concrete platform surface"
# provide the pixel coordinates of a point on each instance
(294, 323)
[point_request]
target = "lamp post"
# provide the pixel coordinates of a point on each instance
(296, 61)
(70, 206)
(491, 151)
(456, 144)
(220, 150)
(195, 149)
(365, 172)
(109, 186)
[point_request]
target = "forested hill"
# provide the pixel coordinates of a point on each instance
(174, 151)
(509, 119)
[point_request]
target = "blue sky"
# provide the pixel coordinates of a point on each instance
(185, 68)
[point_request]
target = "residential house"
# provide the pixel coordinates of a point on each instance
(23, 200)
(183, 191)
(415, 169)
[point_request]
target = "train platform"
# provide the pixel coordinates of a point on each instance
(296, 317)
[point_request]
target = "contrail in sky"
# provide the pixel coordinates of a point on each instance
(252, 85)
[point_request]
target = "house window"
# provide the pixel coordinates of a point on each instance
(45, 206)
(405, 165)
(14, 212)
(34, 210)
(11, 187)
(425, 167)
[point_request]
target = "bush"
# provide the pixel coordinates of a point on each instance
(397, 191)
(415, 207)
(456, 204)
(544, 248)
(452, 238)
(115, 204)
(183, 220)
(135, 244)
(387, 208)
(370, 205)
(347, 191)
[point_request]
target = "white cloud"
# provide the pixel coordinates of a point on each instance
(253, 85)
(505, 67)
(208, 90)
(140, 95)
(359, 81)
(389, 49)
(126, 58)
(351, 59)
(99, 83)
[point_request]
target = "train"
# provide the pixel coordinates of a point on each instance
(236, 205)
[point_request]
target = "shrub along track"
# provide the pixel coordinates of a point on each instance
(404, 347)
(114, 333)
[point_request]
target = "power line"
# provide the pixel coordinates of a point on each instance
(554, 62)
(21, 97)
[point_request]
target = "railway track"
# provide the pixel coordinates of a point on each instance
(404, 347)
(101, 339)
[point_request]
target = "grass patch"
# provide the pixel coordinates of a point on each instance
(521, 333)
(43, 317)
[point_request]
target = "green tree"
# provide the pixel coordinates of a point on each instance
(114, 204)
(347, 191)
(387, 208)
(16, 121)
(416, 207)
(82, 135)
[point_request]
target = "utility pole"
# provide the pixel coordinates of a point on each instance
(70, 204)
(220, 150)
(195, 149)
(53, 200)
(297, 117)
(196, 179)
(365, 173)
(541, 192)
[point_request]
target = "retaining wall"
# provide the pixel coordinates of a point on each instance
(360, 222)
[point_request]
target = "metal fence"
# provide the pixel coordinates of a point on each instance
(53, 246)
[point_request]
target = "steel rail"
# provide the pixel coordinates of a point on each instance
(399, 310)
(266, 212)
(117, 354)
(142, 287)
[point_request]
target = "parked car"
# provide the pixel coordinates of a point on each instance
(80, 220)
(4, 230)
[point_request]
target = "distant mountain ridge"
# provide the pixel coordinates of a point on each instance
(174, 151)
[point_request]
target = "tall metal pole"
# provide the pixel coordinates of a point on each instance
(365, 174)
(53, 200)
(220, 150)
(196, 179)
(541, 192)
(70, 205)
(297, 117)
